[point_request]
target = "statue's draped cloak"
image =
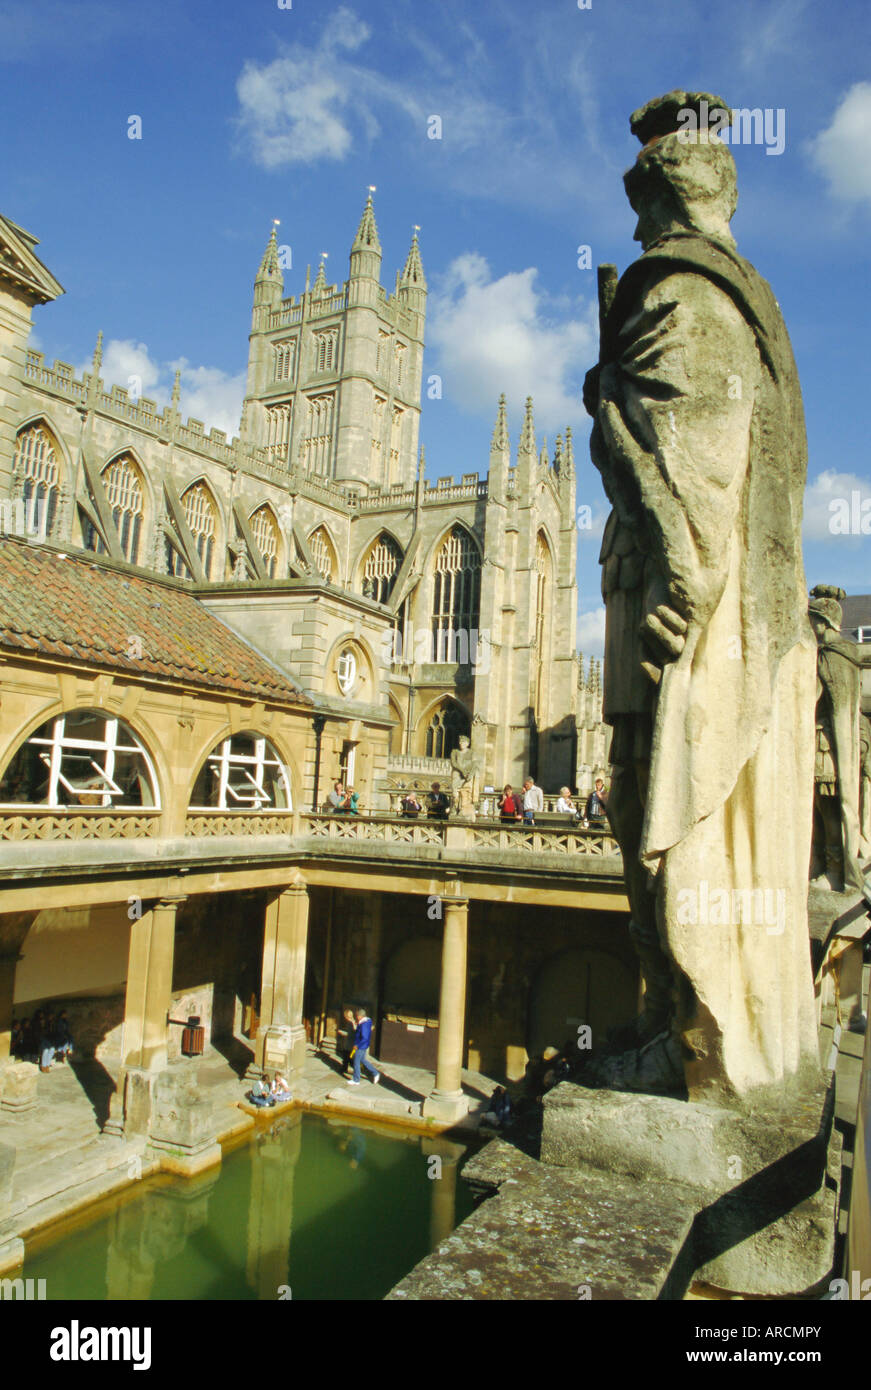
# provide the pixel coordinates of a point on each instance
(700, 440)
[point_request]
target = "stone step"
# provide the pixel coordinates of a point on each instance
(57, 1175)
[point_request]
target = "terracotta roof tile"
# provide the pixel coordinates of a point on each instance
(82, 610)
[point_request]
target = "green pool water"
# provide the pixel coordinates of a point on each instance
(309, 1209)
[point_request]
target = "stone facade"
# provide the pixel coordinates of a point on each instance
(450, 608)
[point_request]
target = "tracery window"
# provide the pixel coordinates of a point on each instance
(264, 529)
(278, 431)
(399, 357)
(456, 595)
(543, 599)
(381, 358)
(36, 458)
(202, 520)
(244, 773)
(82, 758)
(382, 566)
(318, 444)
(285, 356)
(323, 554)
(447, 722)
(325, 350)
(122, 483)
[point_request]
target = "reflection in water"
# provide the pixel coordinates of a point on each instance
(327, 1209)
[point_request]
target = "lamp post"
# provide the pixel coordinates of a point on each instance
(318, 723)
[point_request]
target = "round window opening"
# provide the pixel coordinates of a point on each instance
(346, 671)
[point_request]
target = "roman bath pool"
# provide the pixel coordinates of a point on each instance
(308, 1208)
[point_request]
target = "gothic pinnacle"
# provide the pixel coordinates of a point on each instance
(269, 267)
(500, 429)
(527, 435)
(413, 276)
(98, 354)
(176, 391)
(367, 232)
(320, 284)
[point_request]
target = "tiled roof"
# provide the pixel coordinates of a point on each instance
(82, 610)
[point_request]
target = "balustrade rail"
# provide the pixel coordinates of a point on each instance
(79, 824)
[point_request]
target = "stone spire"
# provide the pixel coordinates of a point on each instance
(500, 429)
(543, 457)
(97, 360)
(269, 284)
(320, 285)
(413, 276)
(367, 232)
(569, 456)
(176, 391)
(527, 434)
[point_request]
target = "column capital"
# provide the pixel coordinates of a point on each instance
(298, 886)
(453, 900)
(174, 900)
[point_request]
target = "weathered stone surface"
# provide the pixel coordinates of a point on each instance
(765, 1219)
(181, 1119)
(554, 1235)
(18, 1086)
(7, 1167)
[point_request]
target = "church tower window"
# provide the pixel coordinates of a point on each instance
(277, 432)
(447, 723)
(285, 354)
(318, 444)
(456, 594)
(325, 350)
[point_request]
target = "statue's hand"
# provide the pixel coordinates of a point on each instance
(664, 630)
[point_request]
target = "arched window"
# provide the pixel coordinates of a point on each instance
(244, 773)
(383, 564)
(264, 529)
(82, 758)
(323, 554)
(201, 517)
(447, 722)
(346, 670)
(122, 482)
(37, 463)
(456, 596)
(541, 635)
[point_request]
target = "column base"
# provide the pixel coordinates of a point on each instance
(446, 1106)
(280, 1047)
(18, 1082)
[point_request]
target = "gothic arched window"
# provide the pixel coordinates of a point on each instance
(122, 483)
(324, 556)
(36, 458)
(447, 722)
(202, 519)
(264, 529)
(456, 595)
(541, 635)
(383, 564)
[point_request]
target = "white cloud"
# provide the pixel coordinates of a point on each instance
(497, 335)
(207, 393)
(827, 488)
(304, 106)
(840, 152)
(591, 632)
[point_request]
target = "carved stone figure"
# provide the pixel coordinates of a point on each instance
(865, 786)
(709, 657)
(465, 778)
(838, 765)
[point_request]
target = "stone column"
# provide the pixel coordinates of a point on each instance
(146, 1010)
(447, 1102)
(8, 964)
(281, 1036)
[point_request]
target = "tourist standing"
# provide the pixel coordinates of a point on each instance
(565, 805)
(510, 805)
(437, 802)
(533, 800)
(362, 1038)
(336, 797)
(597, 804)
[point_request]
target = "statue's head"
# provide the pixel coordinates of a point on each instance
(464, 740)
(824, 609)
(684, 179)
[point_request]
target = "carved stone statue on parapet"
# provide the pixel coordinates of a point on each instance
(465, 779)
(838, 764)
(709, 658)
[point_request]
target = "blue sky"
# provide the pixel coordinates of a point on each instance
(250, 111)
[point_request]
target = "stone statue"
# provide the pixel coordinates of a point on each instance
(709, 657)
(465, 778)
(865, 786)
(838, 766)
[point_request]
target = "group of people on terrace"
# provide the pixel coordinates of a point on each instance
(515, 807)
